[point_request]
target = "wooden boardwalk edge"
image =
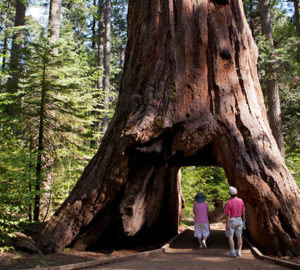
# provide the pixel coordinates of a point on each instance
(263, 257)
(83, 265)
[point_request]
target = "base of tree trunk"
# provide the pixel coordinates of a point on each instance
(190, 96)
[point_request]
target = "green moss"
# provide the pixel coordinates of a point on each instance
(171, 88)
(160, 122)
(173, 95)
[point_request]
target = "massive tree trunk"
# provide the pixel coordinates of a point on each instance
(190, 95)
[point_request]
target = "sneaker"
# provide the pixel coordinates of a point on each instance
(204, 243)
(238, 253)
(231, 255)
(201, 246)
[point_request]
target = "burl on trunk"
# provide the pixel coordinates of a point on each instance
(190, 95)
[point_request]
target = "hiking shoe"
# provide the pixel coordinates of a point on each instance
(231, 255)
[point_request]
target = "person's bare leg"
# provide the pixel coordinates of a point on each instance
(239, 245)
(200, 242)
(231, 245)
(204, 241)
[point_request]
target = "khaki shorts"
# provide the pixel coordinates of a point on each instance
(235, 225)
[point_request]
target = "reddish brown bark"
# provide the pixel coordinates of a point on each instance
(189, 95)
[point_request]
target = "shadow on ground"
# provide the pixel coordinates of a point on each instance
(188, 241)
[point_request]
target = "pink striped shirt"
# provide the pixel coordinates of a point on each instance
(201, 212)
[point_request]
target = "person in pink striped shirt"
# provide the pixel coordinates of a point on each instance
(235, 220)
(201, 222)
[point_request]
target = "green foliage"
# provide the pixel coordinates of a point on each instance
(6, 249)
(67, 73)
(58, 71)
(211, 181)
(285, 58)
(293, 163)
(16, 175)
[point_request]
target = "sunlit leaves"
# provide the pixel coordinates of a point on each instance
(211, 181)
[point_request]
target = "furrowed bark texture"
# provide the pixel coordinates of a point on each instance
(189, 95)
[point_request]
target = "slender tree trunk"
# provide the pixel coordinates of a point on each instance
(100, 64)
(54, 20)
(94, 29)
(29, 206)
(250, 18)
(122, 57)
(31, 168)
(296, 15)
(100, 67)
(4, 52)
(49, 200)
(274, 110)
(39, 165)
(4, 14)
(190, 95)
(69, 173)
(106, 86)
(3, 67)
(54, 29)
(14, 66)
(100, 43)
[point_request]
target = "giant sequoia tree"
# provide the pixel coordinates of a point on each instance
(189, 95)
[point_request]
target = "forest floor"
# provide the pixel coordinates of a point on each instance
(22, 260)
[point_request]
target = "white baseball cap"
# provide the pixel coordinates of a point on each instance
(232, 191)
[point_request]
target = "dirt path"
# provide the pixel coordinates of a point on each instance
(184, 254)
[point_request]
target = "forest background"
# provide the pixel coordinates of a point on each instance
(60, 73)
